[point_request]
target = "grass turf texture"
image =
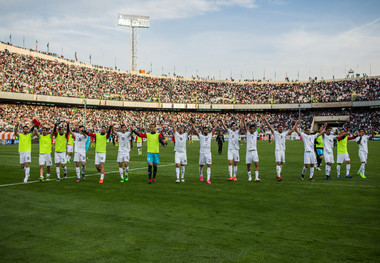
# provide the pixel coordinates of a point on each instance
(288, 221)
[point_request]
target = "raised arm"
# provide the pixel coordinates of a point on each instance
(35, 133)
(243, 125)
(224, 125)
(194, 128)
(372, 133)
(16, 129)
(267, 122)
(215, 127)
(173, 125)
(114, 130)
(295, 127)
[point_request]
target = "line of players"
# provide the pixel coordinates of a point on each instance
(78, 138)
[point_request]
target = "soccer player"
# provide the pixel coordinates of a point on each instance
(60, 149)
(139, 142)
(319, 149)
(280, 139)
(80, 138)
(101, 149)
(362, 140)
(25, 148)
(233, 147)
(124, 137)
(220, 141)
(180, 156)
(45, 142)
(205, 157)
(153, 149)
(70, 147)
(251, 154)
(309, 155)
(328, 151)
(342, 155)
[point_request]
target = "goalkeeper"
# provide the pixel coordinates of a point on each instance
(153, 158)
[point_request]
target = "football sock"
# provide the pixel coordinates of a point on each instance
(208, 173)
(311, 172)
(319, 161)
(177, 172)
(154, 171)
(348, 166)
(183, 172)
(200, 171)
(83, 169)
(304, 170)
(65, 169)
(278, 170)
(338, 169)
(58, 171)
(77, 169)
(362, 168)
(47, 175)
(257, 175)
(126, 168)
(230, 170)
(235, 170)
(327, 170)
(121, 172)
(249, 175)
(102, 176)
(150, 172)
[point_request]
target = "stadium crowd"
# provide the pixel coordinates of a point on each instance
(26, 74)
(95, 118)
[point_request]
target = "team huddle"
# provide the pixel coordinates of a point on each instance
(77, 141)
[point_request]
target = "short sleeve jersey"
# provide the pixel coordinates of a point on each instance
(233, 140)
(363, 145)
(180, 142)
(124, 139)
(328, 143)
(252, 141)
(308, 141)
(205, 143)
(280, 139)
(80, 143)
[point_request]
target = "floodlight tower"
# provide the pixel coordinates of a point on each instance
(133, 22)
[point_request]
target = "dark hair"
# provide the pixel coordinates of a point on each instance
(81, 126)
(252, 125)
(361, 129)
(104, 127)
(25, 126)
(204, 128)
(232, 123)
(123, 125)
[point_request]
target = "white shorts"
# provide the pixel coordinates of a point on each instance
(233, 155)
(180, 158)
(341, 158)
(309, 158)
(60, 157)
(363, 156)
(251, 156)
(70, 148)
(205, 158)
(329, 157)
(280, 156)
(25, 157)
(100, 158)
(45, 159)
(122, 157)
(139, 144)
(79, 157)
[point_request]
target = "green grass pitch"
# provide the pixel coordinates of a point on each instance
(288, 221)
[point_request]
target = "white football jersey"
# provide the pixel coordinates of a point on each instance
(308, 141)
(124, 141)
(280, 139)
(180, 142)
(205, 143)
(80, 143)
(233, 139)
(363, 145)
(252, 141)
(328, 143)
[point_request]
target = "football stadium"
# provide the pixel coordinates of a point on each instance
(100, 164)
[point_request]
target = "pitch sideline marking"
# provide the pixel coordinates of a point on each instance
(70, 177)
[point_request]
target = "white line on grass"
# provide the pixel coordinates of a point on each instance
(69, 177)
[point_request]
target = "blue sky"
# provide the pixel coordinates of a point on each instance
(218, 38)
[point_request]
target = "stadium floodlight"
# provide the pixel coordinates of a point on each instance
(133, 22)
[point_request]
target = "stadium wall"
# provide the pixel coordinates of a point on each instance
(80, 102)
